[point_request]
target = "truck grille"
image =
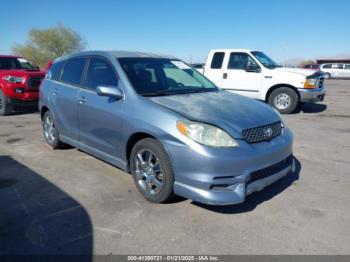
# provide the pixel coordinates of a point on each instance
(271, 170)
(262, 133)
(320, 82)
(34, 81)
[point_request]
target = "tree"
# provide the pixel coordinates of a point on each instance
(48, 44)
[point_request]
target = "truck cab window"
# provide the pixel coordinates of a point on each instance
(217, 60)
(240, 61)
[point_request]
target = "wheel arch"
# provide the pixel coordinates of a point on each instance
(132, 140)
(43, 110)
(274, 87)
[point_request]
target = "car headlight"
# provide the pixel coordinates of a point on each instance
(283, 125)
(310, 83)
(206, 134)
(13, 79)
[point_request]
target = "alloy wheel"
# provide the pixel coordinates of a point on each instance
(148, 171)
(282, 101)
(49, 129)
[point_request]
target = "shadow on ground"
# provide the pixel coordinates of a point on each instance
(24, 111)
(310, 108)
(37, 217)
(257, 198)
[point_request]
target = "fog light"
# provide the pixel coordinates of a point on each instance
(19, 90)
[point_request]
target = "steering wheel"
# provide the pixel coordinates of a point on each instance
(173, 84)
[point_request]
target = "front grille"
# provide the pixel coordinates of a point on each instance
(271, 170)
(320, 82)
(34, 81)
(262, 133)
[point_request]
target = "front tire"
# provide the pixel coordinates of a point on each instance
(50, 131)
(327, 76)
(152, 171)
(284, 99)
(5, 107)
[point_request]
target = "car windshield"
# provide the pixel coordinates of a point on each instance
(158, 76)
(8, 63)
(265, 60)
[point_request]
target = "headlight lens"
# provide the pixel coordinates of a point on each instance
(283, 125)
(13, 79)
(206, 134)
(310, 83)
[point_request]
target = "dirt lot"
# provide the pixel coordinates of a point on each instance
(66, 201)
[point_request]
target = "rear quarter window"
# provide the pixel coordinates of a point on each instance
(55, 71)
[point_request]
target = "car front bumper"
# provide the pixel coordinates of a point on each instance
(225, 176)
(312, 95)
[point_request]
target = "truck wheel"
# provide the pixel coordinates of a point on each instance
(284, 99)
(152, 171)
(50, 131)
(5, 106)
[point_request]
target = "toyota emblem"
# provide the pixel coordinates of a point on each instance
(268, 132)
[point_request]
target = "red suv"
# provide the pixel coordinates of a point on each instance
(19, 83)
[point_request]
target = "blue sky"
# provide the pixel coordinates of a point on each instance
(189, 28)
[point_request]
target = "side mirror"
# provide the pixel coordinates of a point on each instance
(252, 67)
(110, 91)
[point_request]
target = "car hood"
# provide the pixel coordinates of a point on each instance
(299, 71)
(229, 111)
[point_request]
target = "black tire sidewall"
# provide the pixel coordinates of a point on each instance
(6, 107)
(166, 193)
(291, 93)
(56, 143)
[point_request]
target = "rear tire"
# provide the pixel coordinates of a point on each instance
(284, 99)
(327, 76)
(50, 131)
(152, 171)
(5, 107)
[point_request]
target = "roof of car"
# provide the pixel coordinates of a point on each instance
(9, 56)
(117, 54)
(232, 50)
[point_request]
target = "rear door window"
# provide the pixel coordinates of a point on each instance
(327, 66)
(338, 66)
(217, 60)
(347, 66)
(73, 71)
(100, 73)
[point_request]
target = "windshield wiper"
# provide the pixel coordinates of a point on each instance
(175, 92)
(159, 93)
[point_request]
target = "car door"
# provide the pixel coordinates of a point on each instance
(337, 70)
(63, 99)
(238, 79)
(347, 70)
(100, 117)
(214, 70)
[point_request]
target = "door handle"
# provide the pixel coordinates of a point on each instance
(224, 75)
(82, 100)
(54, 91)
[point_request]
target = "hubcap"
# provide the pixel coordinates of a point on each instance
(148, 171)
(282, 101)
(49, 129)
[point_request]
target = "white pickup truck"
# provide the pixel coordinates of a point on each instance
(254, 74)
